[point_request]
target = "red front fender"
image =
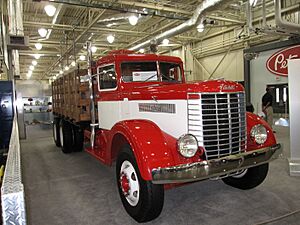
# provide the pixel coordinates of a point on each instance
(252, 120)
(151, 146)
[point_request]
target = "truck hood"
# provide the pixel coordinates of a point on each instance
(163, 91)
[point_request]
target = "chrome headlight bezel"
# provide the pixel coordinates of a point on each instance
(259, 134)
(187, 145)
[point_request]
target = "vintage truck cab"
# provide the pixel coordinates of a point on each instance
(162, 130)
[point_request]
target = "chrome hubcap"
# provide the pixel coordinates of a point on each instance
(129, 183)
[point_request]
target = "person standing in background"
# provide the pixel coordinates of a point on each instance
(267, 108)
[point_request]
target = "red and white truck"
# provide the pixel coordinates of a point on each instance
(139, 110)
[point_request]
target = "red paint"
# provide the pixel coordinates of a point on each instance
(151, 146)
(124, 184)
(252, 120)
(278, 62)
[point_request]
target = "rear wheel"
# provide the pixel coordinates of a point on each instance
(78, 139)
(142, 199)
(55, 128)
(66, 136)
(249, 178)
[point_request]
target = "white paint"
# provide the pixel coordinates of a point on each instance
(111, 112)
(144, 75)
(260, 76)
(294, 93)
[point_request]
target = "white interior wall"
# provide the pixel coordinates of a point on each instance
(260, 77)
(33, 88)
(231, 68)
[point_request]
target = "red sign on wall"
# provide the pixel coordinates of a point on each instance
(278, 64)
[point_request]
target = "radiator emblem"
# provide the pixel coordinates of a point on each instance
(228, 87)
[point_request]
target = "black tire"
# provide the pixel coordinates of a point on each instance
(77, 139)
(55, 129)
(66, 136)
(149, 203)
(249, 179)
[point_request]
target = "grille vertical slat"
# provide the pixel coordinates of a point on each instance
(220, 126)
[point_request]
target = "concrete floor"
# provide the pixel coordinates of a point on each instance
(76, 189)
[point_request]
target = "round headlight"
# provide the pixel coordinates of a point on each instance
(259, 133)
(187, 145)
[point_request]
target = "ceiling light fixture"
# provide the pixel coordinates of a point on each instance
(37, 56)
(50, 10)
(94, 49)
(165, 41)
(253, 3)
(43, 32)
(34, 62)
(142, 50)
(82, 57)
(200, 27)
(133, 19)
(66, 68)
(110, 38)
(31, 67)
(38, 46)
(73, 63)
(61, 72)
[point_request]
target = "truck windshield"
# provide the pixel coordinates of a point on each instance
(150, 71)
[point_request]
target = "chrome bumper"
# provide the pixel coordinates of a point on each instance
(215, 167)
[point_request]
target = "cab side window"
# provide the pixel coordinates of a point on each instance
(107, 77)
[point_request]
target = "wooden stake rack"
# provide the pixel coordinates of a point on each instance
(71, 98)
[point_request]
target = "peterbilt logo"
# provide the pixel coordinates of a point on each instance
(228, 87)
(278, 62)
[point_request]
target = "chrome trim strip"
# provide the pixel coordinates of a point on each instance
(215, 167)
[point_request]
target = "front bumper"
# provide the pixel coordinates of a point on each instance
(215, 167)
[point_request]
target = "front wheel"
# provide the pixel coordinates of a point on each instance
(249, 178)
(142, 199)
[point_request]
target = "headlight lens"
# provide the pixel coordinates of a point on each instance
(187, 145)
(259, 133)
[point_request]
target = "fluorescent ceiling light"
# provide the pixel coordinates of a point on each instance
(50, 10)
(133, 19)
(165, 41)
(43, 32)
(82, 57)
(38, 46)
(31, 67)
(94, 49)
(110, 38)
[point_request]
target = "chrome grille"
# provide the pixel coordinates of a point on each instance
(218, 120)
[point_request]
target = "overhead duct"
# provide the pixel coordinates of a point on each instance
(15, 17)
(201, 10)
(280, 22)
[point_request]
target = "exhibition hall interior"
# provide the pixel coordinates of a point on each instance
(117, 112)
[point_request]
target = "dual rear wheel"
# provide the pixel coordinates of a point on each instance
(67, 136)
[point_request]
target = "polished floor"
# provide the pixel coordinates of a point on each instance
(76, 189)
